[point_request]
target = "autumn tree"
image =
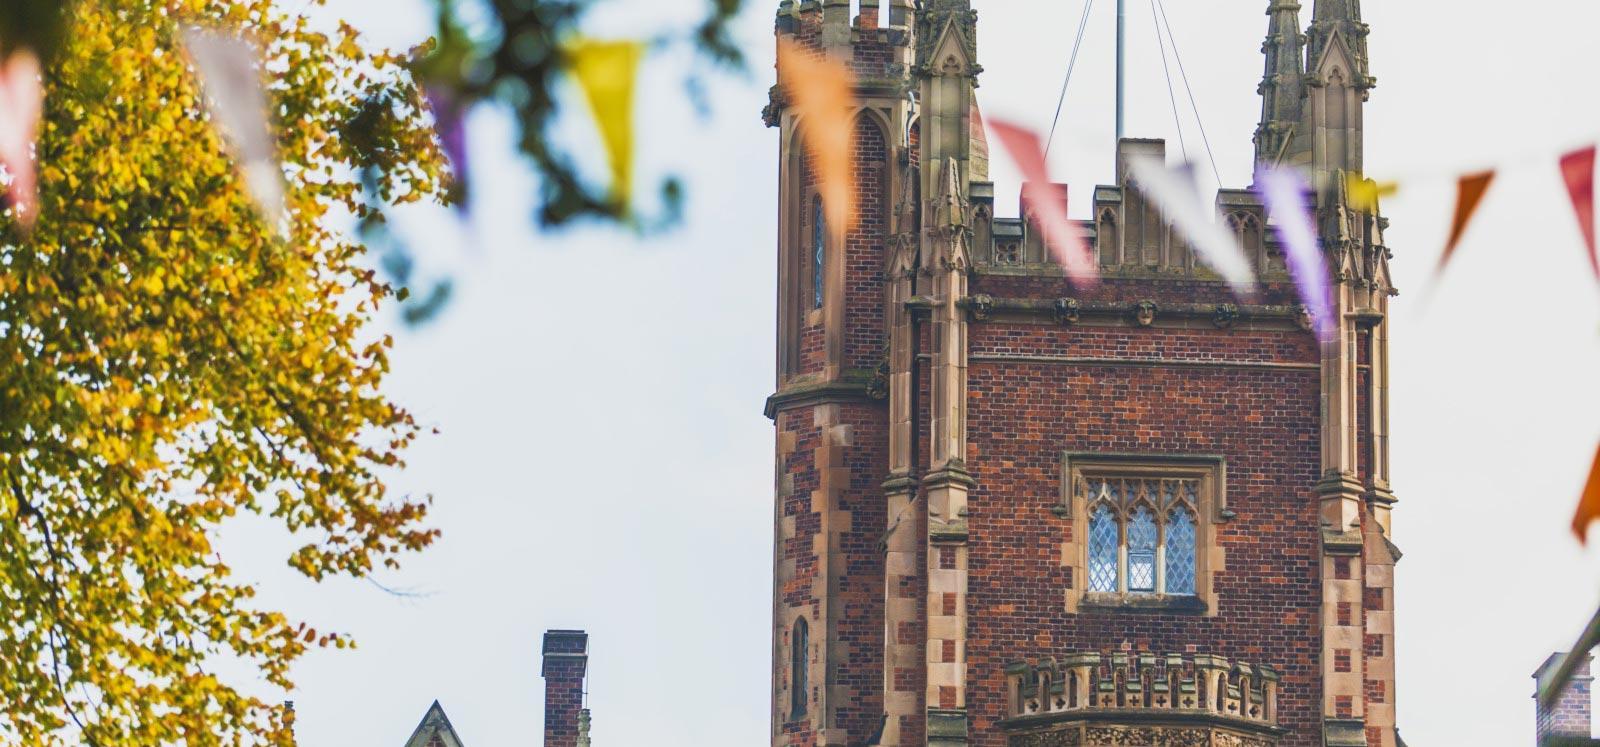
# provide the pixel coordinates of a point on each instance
(169, 360)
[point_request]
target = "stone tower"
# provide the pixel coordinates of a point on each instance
(1012, 512)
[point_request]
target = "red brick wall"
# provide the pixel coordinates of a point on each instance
(864, 335)
(1022, 416)
(858, 589)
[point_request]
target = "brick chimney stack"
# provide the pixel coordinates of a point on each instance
(1571, 715)
(566, 661)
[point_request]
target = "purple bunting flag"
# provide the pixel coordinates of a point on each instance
(1284, 191)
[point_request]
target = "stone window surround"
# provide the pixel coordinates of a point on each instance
(1211, 470)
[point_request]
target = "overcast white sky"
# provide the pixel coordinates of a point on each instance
(604, 463)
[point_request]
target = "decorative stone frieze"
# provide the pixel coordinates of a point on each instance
(1141, 685)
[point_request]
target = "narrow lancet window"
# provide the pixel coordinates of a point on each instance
(819, 245)
(1142, 551)
(798, 647)
(1180, 552)
(1103, 543)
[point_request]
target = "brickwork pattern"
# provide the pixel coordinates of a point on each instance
(1023, 416)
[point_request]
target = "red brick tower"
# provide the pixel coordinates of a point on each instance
(1013, 512)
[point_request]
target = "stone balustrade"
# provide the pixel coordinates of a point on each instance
(1175, 684)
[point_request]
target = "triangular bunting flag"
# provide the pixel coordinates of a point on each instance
(1364, 193)
(1589, 504)
(21, 100)
(1062, 236)
(1284, 192)
(227, 65)
(820, 89)
(607, 71)
(450, 121)
(1175, 191)
(1577, 170)
(1469, 194)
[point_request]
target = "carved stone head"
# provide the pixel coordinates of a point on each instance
(1145, 313)
(1225, 315)
(1303, 318)
(1067, 311)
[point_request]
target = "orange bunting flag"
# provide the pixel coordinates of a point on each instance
(1589, 504)
(21, 100)
(606, 71)
(1470, 193)
(1048, 202)
(1364, 193)
(820, 88)
(1577, 170)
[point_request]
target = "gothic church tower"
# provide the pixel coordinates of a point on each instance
(1014, 513)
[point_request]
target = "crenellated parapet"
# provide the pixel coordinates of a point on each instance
(1096, 685)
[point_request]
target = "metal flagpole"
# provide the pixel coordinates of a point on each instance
(1122, 53)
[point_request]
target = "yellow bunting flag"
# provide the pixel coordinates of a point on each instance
(607, 70)
(1364, 193)
(1577, 170)
(1469, 194)
(820, 90)
(1589, 504)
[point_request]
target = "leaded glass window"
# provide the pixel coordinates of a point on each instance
(819, 245)
(1142, 534)
(1142, 551)
(1180, 552)
(1103, 543)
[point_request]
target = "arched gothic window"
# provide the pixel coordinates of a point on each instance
(1142, 534)
(799, 646)
(819, 247)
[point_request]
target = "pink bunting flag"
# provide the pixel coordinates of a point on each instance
(1048, 203)
(1284, 192)
(227, 64)
(1178, 196)
(1577, 170)
(21, 101)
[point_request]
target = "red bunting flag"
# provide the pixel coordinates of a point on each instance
(1577, 170)
(1469, 193)
(1061, 235)
(1589, 504)
(821, 90)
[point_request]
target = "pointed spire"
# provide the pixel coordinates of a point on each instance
(1340, 19)
(938, 16)
(1283, 83)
